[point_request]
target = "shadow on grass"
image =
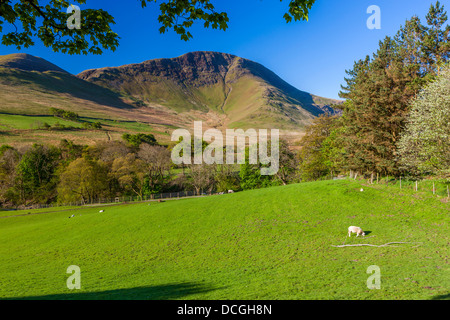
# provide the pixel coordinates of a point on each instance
(161, 292)
(442, 297)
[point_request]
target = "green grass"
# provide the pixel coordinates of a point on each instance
(273, 243)
(17, 129)
(23, 122)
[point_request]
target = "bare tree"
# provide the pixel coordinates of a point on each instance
(202, 177)
(158, 162)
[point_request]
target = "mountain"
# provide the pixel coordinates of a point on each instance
(156, 96)
(27, 62)
(241, 92)
(31, 86)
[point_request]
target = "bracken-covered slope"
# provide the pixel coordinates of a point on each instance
(27, 62)
(157, 96)
(30, 85)
(243, 92)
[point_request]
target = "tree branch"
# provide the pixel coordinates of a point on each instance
(43, 15)
(372, 245)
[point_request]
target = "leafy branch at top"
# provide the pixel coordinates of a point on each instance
(32, 19)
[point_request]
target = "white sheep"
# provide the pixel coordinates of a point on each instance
(101, 211)
(356, 230)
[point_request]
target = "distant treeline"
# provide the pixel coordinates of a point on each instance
(64, 114)
(136, 166)
(71, 116)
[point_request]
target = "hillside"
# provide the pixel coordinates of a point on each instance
(156, 96)
(30, 86)
(247, 93)
(273, 243)
(27, 62)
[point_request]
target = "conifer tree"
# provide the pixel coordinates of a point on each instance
(436, 41)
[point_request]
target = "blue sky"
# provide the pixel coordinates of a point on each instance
(312, 56)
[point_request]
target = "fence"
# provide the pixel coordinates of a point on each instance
(128, 199)
(436, 187)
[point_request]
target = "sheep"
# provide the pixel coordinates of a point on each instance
(101, 211)
(356, 230)
(230, 191)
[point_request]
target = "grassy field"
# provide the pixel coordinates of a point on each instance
(23, 122)
(16, 129)
(273, 243)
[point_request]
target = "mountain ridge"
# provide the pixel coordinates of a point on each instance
(222, 90)
(205, 80)
(28, 62)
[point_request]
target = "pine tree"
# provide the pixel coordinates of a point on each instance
(378, 95)
(379, 91)
(436, 40)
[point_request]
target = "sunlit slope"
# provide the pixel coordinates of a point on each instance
(249, 94)
(273, 243)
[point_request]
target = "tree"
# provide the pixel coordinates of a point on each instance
(201, 177)
(157, 160)
(312, 161)
(425, 144)
(9, 158)
(131, 173)
(48, 22)
(64, 114)
(135, 140)
(409, 42)
(379, 91)
(226, 178)
(69, 150)
(83, 180)
(288, 164)
(436, 40)
(250, 174)
(36, 179)
(107, 151)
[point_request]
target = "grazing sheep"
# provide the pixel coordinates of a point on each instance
(356, 230)
(101, 211)
(230, 191)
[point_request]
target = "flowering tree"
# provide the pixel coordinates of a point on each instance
(425, 144)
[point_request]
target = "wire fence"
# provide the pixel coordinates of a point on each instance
(440, 188)
(437, 187)
(130, 199)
